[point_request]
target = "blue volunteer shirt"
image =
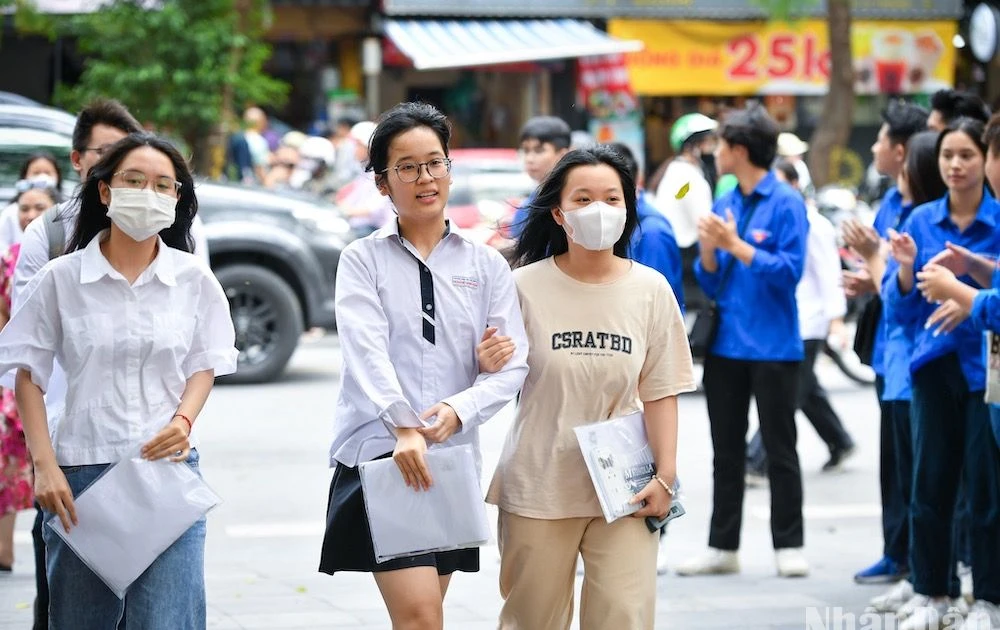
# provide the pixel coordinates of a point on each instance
(931, 226)
(985, 313)
(653, 244)
(894, 339)
(985, 316)
(892, 213)
(758, 318)
(898, 344)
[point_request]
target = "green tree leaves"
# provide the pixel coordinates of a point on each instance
(180, 68)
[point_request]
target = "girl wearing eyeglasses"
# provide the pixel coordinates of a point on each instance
(141, 328)
(15, 465)
(413, 299)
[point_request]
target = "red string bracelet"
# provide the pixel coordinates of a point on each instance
(185, 419)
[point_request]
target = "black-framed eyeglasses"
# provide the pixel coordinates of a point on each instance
(409, 172)
(138, 180)
(98, 150)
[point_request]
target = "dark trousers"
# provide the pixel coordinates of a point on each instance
(952, 435)
(895, 475)
(729, 385)
(815, 404)
(41, 608)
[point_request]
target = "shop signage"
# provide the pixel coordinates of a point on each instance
(744, 58)
(687, 9)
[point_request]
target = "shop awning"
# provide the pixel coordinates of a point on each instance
(433, 44)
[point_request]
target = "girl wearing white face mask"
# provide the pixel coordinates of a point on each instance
(605, 339)
(141, 327)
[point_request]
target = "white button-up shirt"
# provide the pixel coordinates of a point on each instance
(820, 292)
(403, 353)
(127, 350)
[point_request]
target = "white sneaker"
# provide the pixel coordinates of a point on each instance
(661, 559)
(937, 614)
(983, 615)
(714, 562)
(791, 562)
(915, 602)
(891, 600)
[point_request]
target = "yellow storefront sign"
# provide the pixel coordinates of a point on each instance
(687, 57)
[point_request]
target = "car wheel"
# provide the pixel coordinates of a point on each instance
(267, 317)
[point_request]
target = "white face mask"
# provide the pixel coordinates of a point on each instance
(141, 213)
(596, 227)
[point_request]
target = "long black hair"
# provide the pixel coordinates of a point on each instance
(541, 236)
(93, 217)
(923, 175)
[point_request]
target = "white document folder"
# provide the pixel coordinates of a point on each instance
(406, 522)
(131, 514)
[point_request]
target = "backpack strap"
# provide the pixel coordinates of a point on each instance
(56, 231)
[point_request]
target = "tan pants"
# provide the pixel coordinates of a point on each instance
(538, 568)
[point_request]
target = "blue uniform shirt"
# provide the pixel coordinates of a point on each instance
(897, 346)
(653, 244)
(758, 318)
(986, 305)
(931, 226)
(891, 214)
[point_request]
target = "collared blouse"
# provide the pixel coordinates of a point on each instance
(128, 350)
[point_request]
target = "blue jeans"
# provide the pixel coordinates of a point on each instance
(169, 595)
(952, 436)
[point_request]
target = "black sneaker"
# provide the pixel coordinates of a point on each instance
(837, 458)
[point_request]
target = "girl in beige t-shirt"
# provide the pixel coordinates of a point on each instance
(606, 338)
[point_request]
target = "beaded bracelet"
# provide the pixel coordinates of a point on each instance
(665, 485)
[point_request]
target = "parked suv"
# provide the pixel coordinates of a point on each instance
(274, 254)
(276, 257)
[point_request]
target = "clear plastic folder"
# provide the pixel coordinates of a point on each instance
(405, 522)
(131, 514)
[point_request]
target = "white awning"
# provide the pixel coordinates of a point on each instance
(433, 44)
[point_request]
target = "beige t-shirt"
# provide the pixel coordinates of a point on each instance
(596, 350)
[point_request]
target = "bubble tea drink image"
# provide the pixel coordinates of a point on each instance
(929, 48)
(891, 50)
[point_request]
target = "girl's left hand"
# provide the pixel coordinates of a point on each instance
(657, 501)
(935, 283)
(445, 425)
(171, 441)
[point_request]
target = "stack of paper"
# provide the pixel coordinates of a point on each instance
(406, 522)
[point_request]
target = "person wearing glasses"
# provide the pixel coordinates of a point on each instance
(100, 124)
(413, 300)
(141, 327)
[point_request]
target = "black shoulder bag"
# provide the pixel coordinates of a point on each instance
(706, 323)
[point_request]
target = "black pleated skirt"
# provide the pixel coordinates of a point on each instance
(347, 544)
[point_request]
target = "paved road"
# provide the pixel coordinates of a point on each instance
(264, 450)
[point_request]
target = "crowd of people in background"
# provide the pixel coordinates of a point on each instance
(593, 249)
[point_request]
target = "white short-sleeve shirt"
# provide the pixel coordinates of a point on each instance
(127, 350)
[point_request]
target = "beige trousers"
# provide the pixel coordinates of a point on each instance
(538, 568)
